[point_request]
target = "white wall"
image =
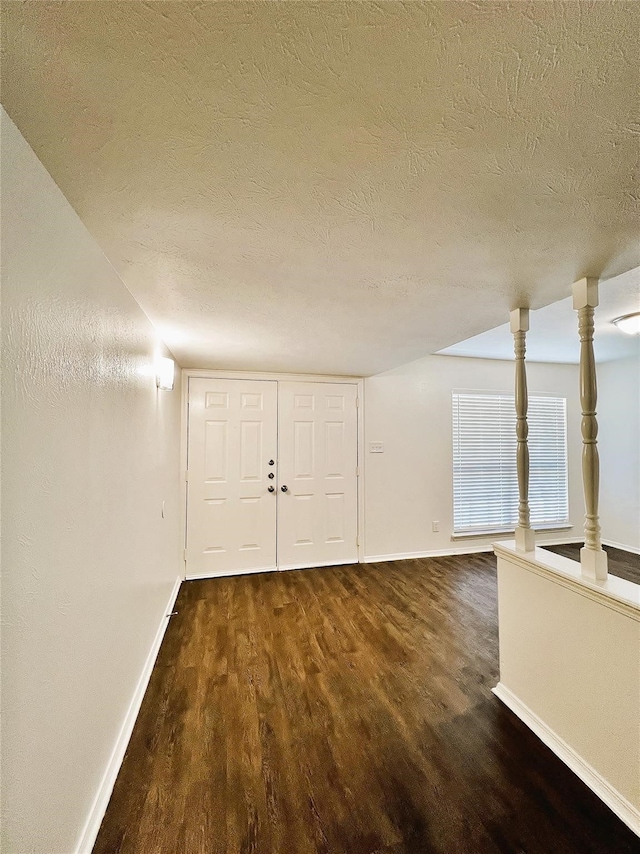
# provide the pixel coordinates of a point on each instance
(619, 445)
(558, 673)
(411, 483)
(90, 449)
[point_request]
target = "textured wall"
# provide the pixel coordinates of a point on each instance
(619, 446)
(336, 187)
(411, 483)
(89, 452)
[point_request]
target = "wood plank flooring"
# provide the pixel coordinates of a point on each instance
(343, 710)
(621, 563)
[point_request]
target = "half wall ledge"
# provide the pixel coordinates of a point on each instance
(616, 592)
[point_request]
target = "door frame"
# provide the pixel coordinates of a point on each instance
(187, 373)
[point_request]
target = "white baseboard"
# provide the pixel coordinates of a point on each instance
(453, 550)
(101, 800)
(316, 565)
(621, 546)
(616, 802)
(458, 550)
(559, 541)
(227, 572)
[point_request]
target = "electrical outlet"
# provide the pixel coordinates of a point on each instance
(376, 447)
(435, 527)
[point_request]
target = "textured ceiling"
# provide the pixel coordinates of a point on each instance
(553, 334)
(336, 187)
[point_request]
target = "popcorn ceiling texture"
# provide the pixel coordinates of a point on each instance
(336, 187)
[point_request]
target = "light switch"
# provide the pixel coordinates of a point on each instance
(376, 447)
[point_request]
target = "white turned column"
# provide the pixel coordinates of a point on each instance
(525, 537)
(593, 558)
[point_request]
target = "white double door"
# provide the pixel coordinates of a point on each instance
(271, 480)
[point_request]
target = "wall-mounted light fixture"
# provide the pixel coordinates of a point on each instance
(165, 370)
(629, 323)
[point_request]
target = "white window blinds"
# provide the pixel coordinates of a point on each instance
(485, 480)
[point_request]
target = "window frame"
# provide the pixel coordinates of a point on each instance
(461, 532)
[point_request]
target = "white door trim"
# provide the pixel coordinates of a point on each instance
(186, 373)
(267, 375)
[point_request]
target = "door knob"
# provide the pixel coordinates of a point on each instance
(284, 489)
(272, 489)
(271, 475)
(271, 463)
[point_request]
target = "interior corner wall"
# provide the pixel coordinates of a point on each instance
(90, 451)
(619, 447)
(410, 484)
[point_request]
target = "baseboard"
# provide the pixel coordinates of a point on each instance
(231, 572)
(559, 541)
(316, 565)
(564, 541)
(101, 801)
(616, 802)
(621, 546)
(227, 572)
(451, 551)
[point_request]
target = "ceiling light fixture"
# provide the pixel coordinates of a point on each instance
(629, 323)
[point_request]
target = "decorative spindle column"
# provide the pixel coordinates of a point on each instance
(593, 558)
(525, 536)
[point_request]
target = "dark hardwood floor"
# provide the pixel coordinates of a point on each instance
(344, 710)
(621, 563)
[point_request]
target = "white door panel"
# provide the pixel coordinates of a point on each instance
(317, 434)
(231, 515)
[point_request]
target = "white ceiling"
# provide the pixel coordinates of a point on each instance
(553, 333)
(336, 187)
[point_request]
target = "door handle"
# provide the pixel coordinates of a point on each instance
(284, 488)
(271, 489)
(271, 475)
(271, 463)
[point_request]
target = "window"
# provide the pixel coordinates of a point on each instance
(485, 480)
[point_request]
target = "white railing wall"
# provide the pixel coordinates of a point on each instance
(559, 620)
